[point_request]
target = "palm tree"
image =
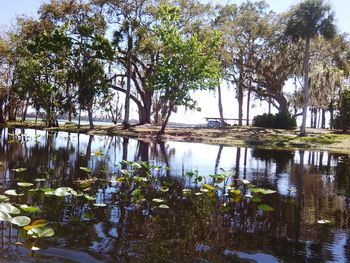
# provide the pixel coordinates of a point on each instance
(307, 20)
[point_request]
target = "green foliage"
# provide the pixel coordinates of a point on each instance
(186, 63)
(342, 119)
(276, 121)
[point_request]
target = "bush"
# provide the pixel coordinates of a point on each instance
(342, 119)
(276, 121)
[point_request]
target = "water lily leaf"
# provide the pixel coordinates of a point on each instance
(29, 209)
(203, 190)
(263, 191)
(21, 220)
(163, 206)
(4, 198)
(324, 221)
(10, 209)
(140, 179)
(209, 187)
(157, 200)
(64, 191)
(267, 191)
(198, 193)
(248, 196)
(13, 193)
(4, 216)
(24, 184)
(121, 179)
(164, 189)
(265, 208)
(256, 199)
(89, 197)
(99, 153)
(235, 192)
(39, 232)
(100, 205)
(34, 248)
(186, 190)
(245, 181)
(39, 180)
(36, 224)
(19, 170)
(85, 169)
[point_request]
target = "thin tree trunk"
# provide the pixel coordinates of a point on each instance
(240, 93)
(91, 122)
(306, 86)
(220, 106)
(126, 122)
(248, 103)
(162, 130)
(217, 161)
(323, 118)
(79, 117)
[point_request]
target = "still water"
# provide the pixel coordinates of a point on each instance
(310, 186)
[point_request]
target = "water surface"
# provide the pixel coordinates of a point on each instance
(310, 186)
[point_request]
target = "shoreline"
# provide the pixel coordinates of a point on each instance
(265, 138)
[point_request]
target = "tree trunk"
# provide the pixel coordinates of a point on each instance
(323, 119)
(25, 109)
(79, 117)
(248, 103)
(162, 130)
(126, 122)
(91, 122)
(221, 112)
(240, 93)
(306, 86)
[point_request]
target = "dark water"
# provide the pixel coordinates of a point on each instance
(310, 186)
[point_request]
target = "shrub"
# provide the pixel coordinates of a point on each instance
(342, 119)
(277, 121)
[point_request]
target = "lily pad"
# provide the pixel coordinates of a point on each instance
(19, 170)
(39, 232)
(13, 192)
(24, 184)
(21, 221)
(4, 198)
(86, 169)
(29, 209)
(4, 216)
(265, 208)
(10, 209)
(163, 206)
(157, 200)
(324, 222)
(90, 197)
(209, 187)
(245, 181)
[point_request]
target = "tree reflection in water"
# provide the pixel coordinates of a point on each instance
(310, 185)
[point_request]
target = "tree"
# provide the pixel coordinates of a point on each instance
(307, 20)
(186, 64)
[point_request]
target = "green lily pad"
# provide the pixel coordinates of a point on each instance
(10, 209)
(24, 184)
(4, 198)
(163, 206)
(324, 222)
(209, 187)
(13, 192)
(4, 216)
(157, 200)
(29, 209)
(19, 170)
(90, 197)
(100, 205)
(39, 232)
(265, 208)
(21, 221)
(36, 224)
(86, 169)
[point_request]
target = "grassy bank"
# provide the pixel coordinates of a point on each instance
(229, 136)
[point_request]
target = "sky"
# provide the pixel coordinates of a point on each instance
(206, 100)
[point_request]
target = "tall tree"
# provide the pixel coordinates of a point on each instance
(307, 20)
(186, 64)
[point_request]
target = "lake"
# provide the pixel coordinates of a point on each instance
(181, 202)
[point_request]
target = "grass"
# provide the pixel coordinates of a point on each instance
(229, 136)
